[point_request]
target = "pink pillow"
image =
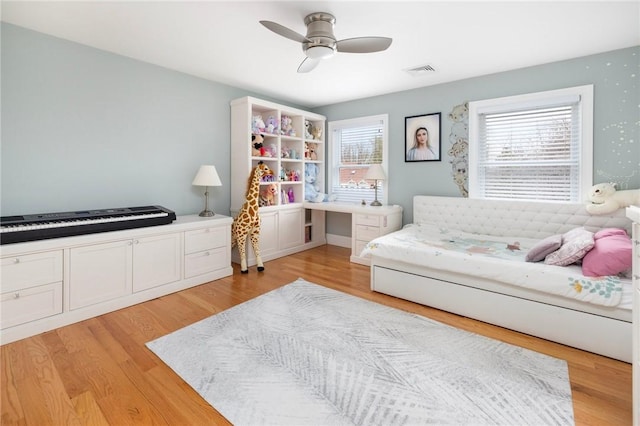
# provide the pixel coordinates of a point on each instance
(575, 244)
(611, 254)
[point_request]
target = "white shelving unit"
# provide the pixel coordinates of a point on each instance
(286, 226)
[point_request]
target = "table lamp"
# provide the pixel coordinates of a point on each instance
(207, 176)
(375, 172)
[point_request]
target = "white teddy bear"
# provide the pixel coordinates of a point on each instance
(606, 199)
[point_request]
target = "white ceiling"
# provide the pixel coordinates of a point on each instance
(223, 41)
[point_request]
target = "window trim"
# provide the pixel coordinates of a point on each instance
(532, 100)
(355, 122)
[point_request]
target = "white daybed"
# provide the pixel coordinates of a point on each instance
(606, 330)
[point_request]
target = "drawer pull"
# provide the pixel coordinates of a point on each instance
(207, 254)
(16, 260)
(16, 295)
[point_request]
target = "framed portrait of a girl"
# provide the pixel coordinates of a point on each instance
(422, 137)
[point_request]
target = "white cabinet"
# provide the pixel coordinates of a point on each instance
(287, 150)
(31, 287)
(633, 213)
(99, 272)
(156, 261)
(56, 282)
(370, 222)
(291, 226)
(367, 222)
(282, 232)
(206, 250)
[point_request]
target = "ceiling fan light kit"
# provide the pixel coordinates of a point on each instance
(319, 52)
(320, 43)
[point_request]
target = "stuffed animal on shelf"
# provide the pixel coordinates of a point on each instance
(313, 147)
(256, 145)
(307, 129)
(257, 124)
(268, 195)
(286, 126)
(606, 199)
(316, 132)
(272, 125)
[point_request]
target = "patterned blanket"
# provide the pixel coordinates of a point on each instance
(485, 256)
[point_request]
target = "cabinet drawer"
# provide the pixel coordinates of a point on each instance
(30, 270)
(204, 239)
(19, 307)
(367, 233)
(367, 219)
(206, 261)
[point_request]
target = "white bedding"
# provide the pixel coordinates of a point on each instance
(485, 256)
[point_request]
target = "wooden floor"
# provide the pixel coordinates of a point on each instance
(100, 372)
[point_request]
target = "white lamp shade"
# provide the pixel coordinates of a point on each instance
(375, 172)
(207, 176)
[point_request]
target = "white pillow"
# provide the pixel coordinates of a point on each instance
(575, 244)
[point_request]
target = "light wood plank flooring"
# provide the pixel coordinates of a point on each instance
(100, 372)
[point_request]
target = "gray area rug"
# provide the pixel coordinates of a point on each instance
(308, 355)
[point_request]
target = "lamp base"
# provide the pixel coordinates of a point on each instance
(376, 203)
(207, 213)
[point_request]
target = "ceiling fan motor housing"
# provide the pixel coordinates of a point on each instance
(320, 33)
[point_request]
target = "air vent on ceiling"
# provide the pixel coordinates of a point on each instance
(421, 70)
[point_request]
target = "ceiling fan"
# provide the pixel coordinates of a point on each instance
(320, 43)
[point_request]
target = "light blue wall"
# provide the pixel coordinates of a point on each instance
(84, 129)
(616, 79)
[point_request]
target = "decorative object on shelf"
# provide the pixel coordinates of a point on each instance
(257, 146)
(422, 137)
(307, 129)
(207, 176)
(316, 132)
(313, 151)
(257, 124)
(286, 126)
(272, 125)
(247, 222)
(268, 195)
(375, 172)
(311, 188)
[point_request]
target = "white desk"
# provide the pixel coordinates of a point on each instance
(367, 223)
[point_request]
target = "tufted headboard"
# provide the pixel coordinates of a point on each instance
(527, 219)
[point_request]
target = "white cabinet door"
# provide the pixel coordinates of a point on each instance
(268, 234)
(99, 272)
(291, 226)
(156, 261)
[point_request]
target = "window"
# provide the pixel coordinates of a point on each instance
(532, 147)
(354, 145)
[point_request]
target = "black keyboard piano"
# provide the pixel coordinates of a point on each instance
(33, 227)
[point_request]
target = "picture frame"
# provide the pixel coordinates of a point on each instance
(415, 129)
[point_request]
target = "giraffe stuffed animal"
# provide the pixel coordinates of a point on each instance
(247, 222)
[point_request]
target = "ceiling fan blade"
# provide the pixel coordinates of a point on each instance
(363, 44)
(284, 31)
(308, 64)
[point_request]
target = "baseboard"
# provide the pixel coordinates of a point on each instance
(339, 240)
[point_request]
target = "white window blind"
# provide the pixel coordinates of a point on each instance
(531, 150)
(355, 145)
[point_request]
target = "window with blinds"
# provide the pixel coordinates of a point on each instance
(355, 145)
(531, 147)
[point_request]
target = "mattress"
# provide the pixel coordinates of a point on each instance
(501, 259)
